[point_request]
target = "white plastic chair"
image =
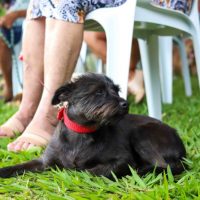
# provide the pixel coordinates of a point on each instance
(154, 21)
(80, 66)
(117, 23)
(185, 65)
(166, 67)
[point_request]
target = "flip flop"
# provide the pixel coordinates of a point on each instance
(11, 128)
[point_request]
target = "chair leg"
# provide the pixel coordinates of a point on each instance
(80, 65)
(166, 69)
(119, 46)
(150, 63)
(99, 66)
(196, 44)
(185, 67)
(119, 33)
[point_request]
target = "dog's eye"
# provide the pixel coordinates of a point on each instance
(99, 92)
(116, 88)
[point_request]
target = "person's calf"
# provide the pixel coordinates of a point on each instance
(6, 68)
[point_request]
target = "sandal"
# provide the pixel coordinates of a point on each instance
(11, 128)
(32, 138)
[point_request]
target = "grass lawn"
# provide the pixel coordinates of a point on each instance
(183, 114)
(2, 11)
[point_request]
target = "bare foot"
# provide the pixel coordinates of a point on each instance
(7, 93)
(16, 124)
(38, 132)
(136, 85)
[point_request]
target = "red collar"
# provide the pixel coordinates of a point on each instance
(73, 125)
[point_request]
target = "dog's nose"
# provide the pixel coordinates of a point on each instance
(123, 104)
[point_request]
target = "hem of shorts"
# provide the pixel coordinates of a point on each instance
(66, 20)
(50, 17)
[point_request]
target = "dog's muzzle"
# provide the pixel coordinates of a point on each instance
(123, 106)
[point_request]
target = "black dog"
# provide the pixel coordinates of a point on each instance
(96, 134)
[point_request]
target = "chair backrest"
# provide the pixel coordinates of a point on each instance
(129, 4)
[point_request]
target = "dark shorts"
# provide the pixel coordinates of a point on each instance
(11, 36)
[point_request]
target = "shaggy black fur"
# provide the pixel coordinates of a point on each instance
(121, 140)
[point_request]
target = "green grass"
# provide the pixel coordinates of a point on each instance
(2, 11)
(183, 114)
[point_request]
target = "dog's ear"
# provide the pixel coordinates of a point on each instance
(62, 94)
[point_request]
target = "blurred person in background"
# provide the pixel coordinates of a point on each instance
(10, 35)
(97, 43)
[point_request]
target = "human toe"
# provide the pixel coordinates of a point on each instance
(15, 146)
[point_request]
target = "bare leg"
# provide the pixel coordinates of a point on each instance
(6, 68)
(97, 42)
(136, 83)
(62, 45)
(135, 57)
(33, 52)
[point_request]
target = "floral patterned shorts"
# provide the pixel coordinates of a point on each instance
(67, 10)
(184, 6)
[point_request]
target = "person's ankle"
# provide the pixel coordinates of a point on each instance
(47, 115)
(7, 95)
(131, 75)
(24, 117)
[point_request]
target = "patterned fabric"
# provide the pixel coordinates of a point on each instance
(184, 6)
(68, 10)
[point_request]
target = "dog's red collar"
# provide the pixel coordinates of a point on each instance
(73, 125)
